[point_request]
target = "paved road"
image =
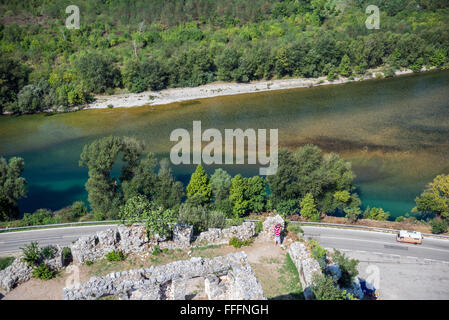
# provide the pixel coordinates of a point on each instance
(12, 241)
(377, 243)
(369, 241)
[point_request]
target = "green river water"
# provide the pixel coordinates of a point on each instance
(394, 131)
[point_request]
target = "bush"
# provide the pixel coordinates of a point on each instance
(40, 217)
(48, 252)
(43, 272)
(31, 254)
(288, 207)
(201, 217)
(295, 228)
(89, 263)
(324, 288)
(375, 214)
(438, 226)
(78, 209)
(6, 262)
(115, 255)
(259, 227)
(156, 251)
(318, 252)
(348, 269)
(67, 255)
(237, 243)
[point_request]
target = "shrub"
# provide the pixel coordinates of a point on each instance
(375, 214)
(6, 262)
(259, 227)
(67, 255)
(78, 209)
(31, 254)
(348, 268)
(324, 288)
(156, 251)
(438, 226)
(237, 243)
(318, 252)
(201, 218)
(288, 207)
(43, 272)
(115, 255)
(89, 263)
(48, 252)
(295, 229)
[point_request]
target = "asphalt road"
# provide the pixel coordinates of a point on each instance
(12, 241)
(377, 243)
(349, 239)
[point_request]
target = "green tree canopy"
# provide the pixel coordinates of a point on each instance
(199, 185)
(12, 187)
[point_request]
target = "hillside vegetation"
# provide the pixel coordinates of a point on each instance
(133, 46)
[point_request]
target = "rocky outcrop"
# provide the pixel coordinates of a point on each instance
(167, 282)
(269, 224)
(245, 231)
(307, 267)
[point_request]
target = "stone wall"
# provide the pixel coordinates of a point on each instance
(307, 266)
(226, 277)
(215, 236)
(132, 239)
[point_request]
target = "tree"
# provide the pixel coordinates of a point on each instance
(435, 199)
(97, 72)
(345, 66)
(12, 187)
(375, 214)
(13, 77)
(239, 185)
(157, 220)
(199, 185)
(167, 191)
(220, 183)
(308, 208)
(255, 194)
(139, 75)
(201, 217)
(307, 170)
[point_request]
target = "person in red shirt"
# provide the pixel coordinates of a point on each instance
(277, 233)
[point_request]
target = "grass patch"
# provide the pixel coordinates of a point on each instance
(237, 243)
(289, 281)
(6, 262)
(109, 297)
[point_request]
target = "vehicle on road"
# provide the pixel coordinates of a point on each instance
(409, 237)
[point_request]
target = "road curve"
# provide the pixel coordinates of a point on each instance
(377, 243)
(12, 241)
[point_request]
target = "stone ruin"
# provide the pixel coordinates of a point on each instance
(268, 226)
(307, 267)
(19, 272)
(134, 239)
(227, 277)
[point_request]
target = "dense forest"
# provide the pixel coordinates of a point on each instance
(133, 46)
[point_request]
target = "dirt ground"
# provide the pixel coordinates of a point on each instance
(267, 261)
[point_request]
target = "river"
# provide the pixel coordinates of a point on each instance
(394, 131)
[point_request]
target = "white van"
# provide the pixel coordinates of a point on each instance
(409, 237)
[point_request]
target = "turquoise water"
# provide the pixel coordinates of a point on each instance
(394, 131)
